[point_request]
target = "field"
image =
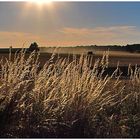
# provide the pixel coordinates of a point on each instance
(69, 96)
(124, 58)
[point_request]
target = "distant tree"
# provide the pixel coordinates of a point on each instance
(133, 48)
(33, 47)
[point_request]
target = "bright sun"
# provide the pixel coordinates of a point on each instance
(41, 2)
(39, 6)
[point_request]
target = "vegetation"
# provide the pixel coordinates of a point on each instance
(67, 99)
(33, 47)
(133, 48)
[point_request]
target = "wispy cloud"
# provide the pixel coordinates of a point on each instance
(16, 39)
(98, 30)
(74, 36)
(104, 35)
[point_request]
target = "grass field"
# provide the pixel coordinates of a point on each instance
(60, 96)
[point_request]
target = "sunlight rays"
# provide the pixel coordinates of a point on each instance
(38, 6)
(41, 3)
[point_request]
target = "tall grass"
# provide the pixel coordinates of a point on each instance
(67, 99)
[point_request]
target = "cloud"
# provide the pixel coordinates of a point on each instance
(99, 31)
(103, 35)
(74, 36)
(21, 39)
(18, 39)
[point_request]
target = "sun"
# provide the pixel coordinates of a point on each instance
(39, 6)
(41, 2)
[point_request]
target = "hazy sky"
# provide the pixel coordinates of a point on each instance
(69, 23)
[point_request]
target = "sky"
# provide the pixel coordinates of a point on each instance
(69, 23)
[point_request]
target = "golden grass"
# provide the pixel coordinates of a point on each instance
(67, 99)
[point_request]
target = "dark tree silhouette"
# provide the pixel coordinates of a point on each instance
(33, 47)
(133, 48)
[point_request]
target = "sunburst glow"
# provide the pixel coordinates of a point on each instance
(41, 2)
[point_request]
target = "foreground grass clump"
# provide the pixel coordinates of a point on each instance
(67, 99)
